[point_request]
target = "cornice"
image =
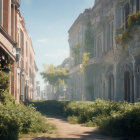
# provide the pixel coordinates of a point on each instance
(7, 36)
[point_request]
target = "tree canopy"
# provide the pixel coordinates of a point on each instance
(55, 76)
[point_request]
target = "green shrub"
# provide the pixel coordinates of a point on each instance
(18, 119)
(73, 119)
(50, 107)
(113, 118)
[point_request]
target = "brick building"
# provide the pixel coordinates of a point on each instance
(16, 48)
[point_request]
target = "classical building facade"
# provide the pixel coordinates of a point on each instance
(113, 71)
(16, 48)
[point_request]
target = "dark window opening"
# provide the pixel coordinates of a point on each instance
(126, 14)
(127, 86)
(137, 5)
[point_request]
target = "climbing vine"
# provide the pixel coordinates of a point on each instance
(85, 59)
(124, 36)
(88, 48)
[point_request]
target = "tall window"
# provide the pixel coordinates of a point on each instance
(0, 12)
(137, 5)
(110, 35)
(21, 39)
(26, 49)
(98, 47)
(126, 14)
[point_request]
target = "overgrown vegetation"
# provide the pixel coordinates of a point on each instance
(85, 59)
(56, 77)
(88, 48)
(112, 118)
(124, 36)
(16, 118)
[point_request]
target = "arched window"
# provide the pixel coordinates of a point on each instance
(126, 14)
(137, 5)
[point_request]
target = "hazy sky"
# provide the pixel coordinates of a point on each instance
(48, 22)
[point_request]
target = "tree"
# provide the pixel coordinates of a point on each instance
(55, 76)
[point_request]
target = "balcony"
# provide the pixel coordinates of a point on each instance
(17, 2)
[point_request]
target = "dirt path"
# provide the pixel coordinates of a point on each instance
(66, 131)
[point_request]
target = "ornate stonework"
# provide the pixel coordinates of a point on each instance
(111, 72)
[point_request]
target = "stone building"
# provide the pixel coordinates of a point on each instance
(16, 48)
(113, 71)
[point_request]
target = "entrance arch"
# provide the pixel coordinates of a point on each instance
(127, 74)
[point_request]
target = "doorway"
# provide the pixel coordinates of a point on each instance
(111, 87)
(127, 86)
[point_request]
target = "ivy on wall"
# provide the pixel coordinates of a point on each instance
(85, 59)
(124, 36)
(88, 48)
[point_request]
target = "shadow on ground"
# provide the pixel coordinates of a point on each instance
(95, 135)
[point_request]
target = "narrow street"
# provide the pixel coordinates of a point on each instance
(67, 131)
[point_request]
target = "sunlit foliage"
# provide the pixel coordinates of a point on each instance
(16, 118)
(124, 36)
(85, 59)
(54, 76)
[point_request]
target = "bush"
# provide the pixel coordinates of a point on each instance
(18, 119)
(50, 107)
(127, 124)
(112, 118)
